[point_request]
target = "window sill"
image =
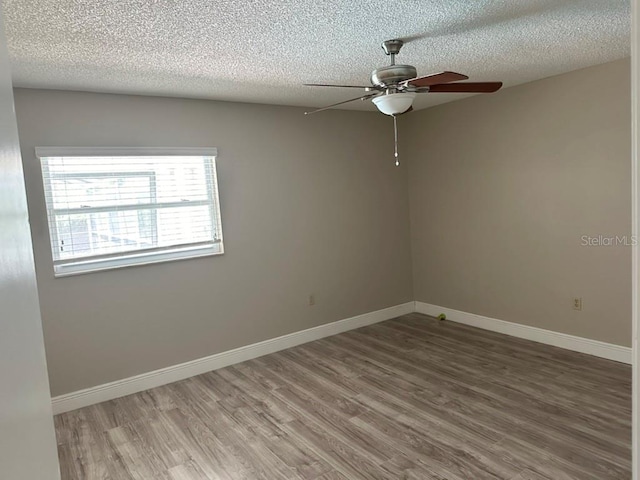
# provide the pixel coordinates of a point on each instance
(135, 260)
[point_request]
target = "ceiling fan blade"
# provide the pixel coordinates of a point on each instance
(340, 86)
(364, 97)
(436, 78)
(470, 87)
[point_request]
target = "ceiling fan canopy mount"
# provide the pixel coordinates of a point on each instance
(392, 47)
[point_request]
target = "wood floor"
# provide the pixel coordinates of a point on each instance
(411, 398)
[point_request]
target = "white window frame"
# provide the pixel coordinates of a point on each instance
(96, 263)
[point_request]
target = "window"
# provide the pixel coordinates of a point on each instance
(112, 207)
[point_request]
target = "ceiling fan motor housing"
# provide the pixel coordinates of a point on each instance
(392, 75)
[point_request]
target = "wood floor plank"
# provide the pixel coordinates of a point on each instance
(482, 395)
(333, 475)
(556, 359)
(340, 455)
(522, 455)
(411, 398)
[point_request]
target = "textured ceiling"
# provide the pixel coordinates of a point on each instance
(263, 50)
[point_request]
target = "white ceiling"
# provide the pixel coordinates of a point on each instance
(263, 50)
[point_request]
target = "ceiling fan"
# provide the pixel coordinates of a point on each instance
(393, 88)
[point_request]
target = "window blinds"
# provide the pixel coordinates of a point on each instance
(125, 207)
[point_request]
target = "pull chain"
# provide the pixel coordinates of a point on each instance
(395, 139)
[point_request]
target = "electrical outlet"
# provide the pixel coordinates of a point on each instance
(312, 300)
(577, 303)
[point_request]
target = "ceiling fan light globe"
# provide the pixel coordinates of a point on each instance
(394, 103)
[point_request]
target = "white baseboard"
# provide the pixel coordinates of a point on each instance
(138, 383)
(562, 340)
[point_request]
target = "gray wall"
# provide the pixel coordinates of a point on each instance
(309, 205)
(27, 438)
(503, 187)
